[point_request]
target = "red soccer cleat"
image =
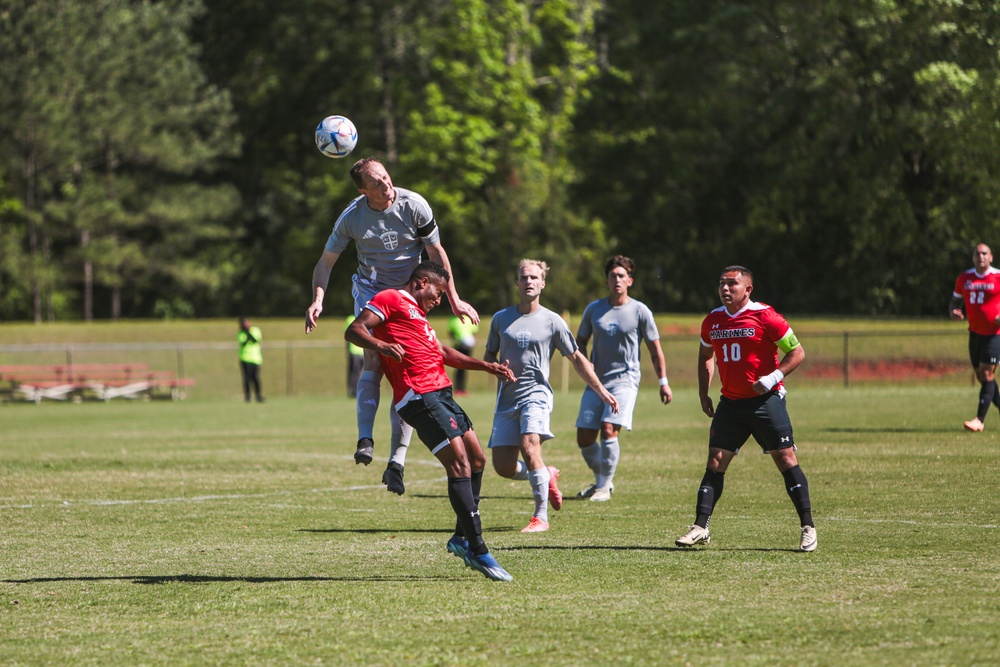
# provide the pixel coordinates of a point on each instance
(536, 525)
(555, 495)
(973, 425)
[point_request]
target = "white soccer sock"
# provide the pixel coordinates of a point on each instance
(610, 452)
(368, 398)
(521, 472)
(592, 455)
(400, 440)
(539, 480)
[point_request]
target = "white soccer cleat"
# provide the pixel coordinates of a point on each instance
(808, 542)
(601, 495)
(589, 491)
(695, 535)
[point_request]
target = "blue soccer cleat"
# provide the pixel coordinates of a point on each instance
(488, 565)
(459, 546)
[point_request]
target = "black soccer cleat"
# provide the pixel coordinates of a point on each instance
(393, 478)
(365, 451)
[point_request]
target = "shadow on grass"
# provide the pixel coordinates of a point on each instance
(210, 579)
(375, 531)
(888, 429)
(597, 547)
(487, 497)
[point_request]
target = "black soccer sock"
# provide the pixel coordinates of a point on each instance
(477, 485)
(987, 392)
(798, 491)
(996, 394)
(467, 512)
(708, 495)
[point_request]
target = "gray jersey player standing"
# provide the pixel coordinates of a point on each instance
(616, 324)
(526, 336)
(390, 227)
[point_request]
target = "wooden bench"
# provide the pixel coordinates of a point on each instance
(78, 381)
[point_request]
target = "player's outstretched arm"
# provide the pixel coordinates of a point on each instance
(585, 370)
(321, 278)
(456, 359)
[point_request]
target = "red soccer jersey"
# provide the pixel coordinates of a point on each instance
(405, 323)
(745, 346)
(982, 299)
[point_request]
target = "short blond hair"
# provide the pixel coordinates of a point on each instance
(537, 262)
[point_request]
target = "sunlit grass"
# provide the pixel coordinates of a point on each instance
(213, 532)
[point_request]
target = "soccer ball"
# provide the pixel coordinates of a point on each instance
(336, 136)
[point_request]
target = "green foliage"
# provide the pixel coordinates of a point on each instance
(161, 152)
(112, 137)
(846, 137)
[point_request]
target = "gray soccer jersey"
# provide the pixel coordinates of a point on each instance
(389, 243)
(528, 342)
(614, 333)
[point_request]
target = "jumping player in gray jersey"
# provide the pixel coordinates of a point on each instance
(616, 325)
(390, 227)
(527, 335)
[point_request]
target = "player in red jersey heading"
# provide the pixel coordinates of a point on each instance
(978, 289)
(743, 338)
(394, 323)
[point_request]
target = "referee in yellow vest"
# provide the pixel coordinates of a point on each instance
(250, 358)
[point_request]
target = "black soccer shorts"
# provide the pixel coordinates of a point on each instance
(436, 418)
(984, 349)
(764, 417)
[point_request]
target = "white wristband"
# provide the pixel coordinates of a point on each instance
(664, 382)
(771, 379)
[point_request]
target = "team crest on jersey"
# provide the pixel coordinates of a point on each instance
(523, 338)
(390, 240)
(414, 313)
(612, 328)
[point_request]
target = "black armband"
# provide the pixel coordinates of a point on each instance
(427, 229)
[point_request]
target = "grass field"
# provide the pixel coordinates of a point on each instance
(213, 532)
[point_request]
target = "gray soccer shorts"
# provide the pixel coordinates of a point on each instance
(594, 411)
(362, 291)
(509, 426)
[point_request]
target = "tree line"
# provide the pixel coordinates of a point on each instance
(157, 157)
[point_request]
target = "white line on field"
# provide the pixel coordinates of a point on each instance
(208, 498)
(910, 522)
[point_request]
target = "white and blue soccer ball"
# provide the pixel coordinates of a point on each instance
(336, 136)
